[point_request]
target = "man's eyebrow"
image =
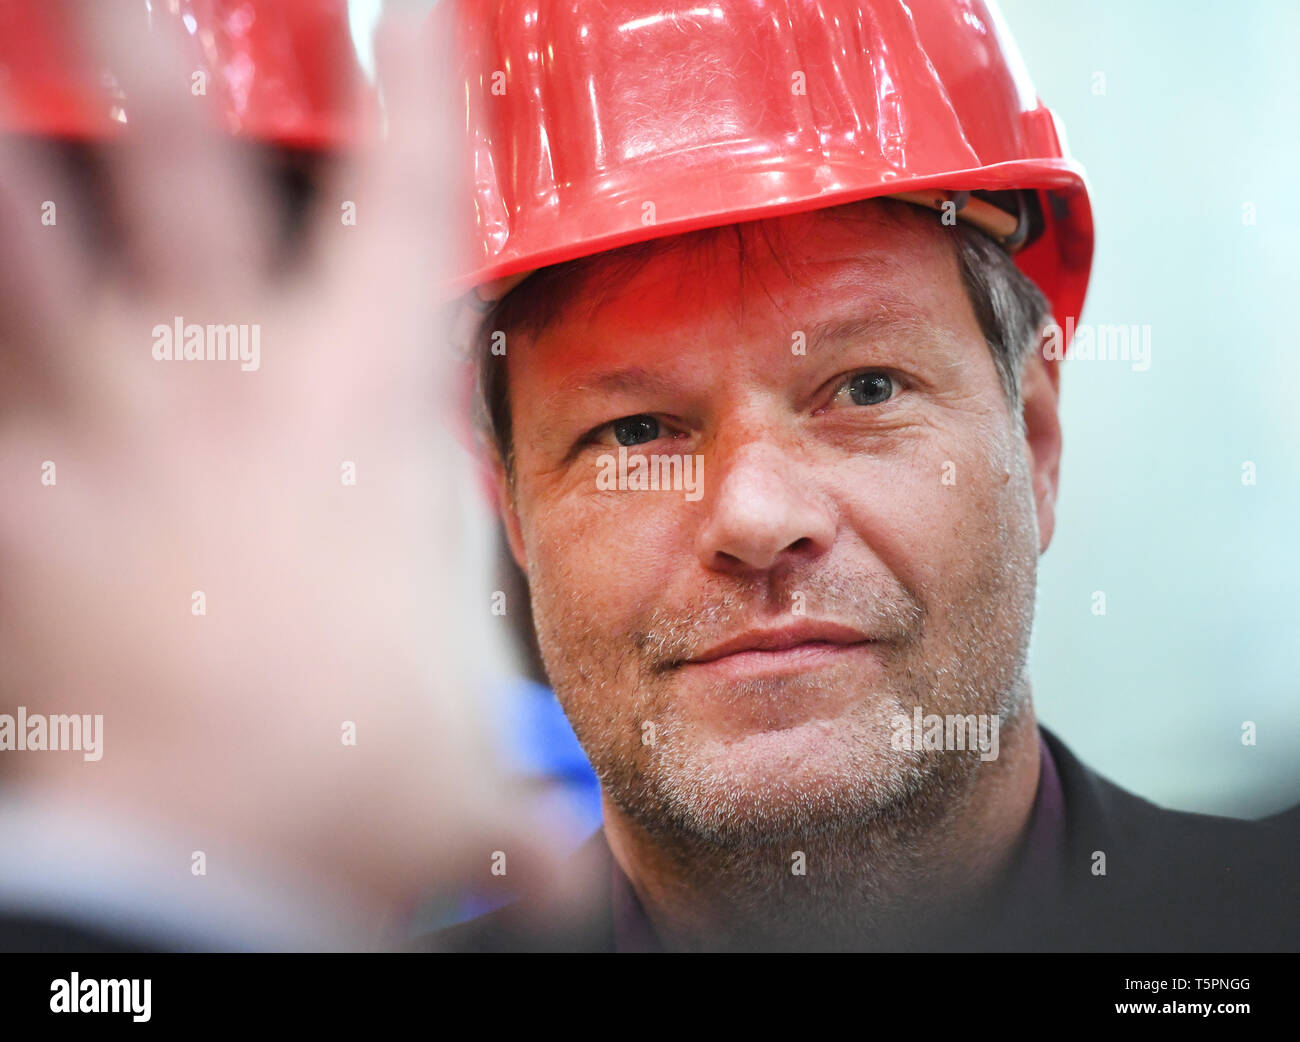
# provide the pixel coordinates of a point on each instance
(624, 378)
(887, 321)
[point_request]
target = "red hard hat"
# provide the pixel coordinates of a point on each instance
(283, 73)
(579, 115)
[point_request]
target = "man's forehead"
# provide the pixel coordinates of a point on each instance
(871, 238)
(815, 274)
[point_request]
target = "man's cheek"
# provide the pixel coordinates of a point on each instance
(589, 574)
(614, 541)
(930, 519)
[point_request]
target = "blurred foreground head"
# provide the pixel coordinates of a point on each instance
(244, 554)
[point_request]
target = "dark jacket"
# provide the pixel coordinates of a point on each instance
(1173, 882)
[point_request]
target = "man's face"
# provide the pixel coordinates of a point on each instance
(865, 541)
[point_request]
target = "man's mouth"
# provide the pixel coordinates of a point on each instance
(769, 652)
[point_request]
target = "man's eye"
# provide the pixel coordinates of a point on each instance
(635, 430)
(870, 388)
(627, 431)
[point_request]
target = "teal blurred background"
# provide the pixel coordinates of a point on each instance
(1183, 114)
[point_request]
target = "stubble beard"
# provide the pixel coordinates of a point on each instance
(867, 814)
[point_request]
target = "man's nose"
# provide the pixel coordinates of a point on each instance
(763, 507)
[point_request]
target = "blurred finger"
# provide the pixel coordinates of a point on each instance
(409, 182)
(43, 266)
(194, 215)
(392, 243)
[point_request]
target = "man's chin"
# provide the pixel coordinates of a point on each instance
(809, 749)
(769, 786)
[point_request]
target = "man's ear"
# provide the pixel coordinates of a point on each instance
(509, 514)
(1039, 395)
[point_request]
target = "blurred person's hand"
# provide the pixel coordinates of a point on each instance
(329, 607)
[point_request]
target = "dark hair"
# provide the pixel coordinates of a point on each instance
(1010, 309)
